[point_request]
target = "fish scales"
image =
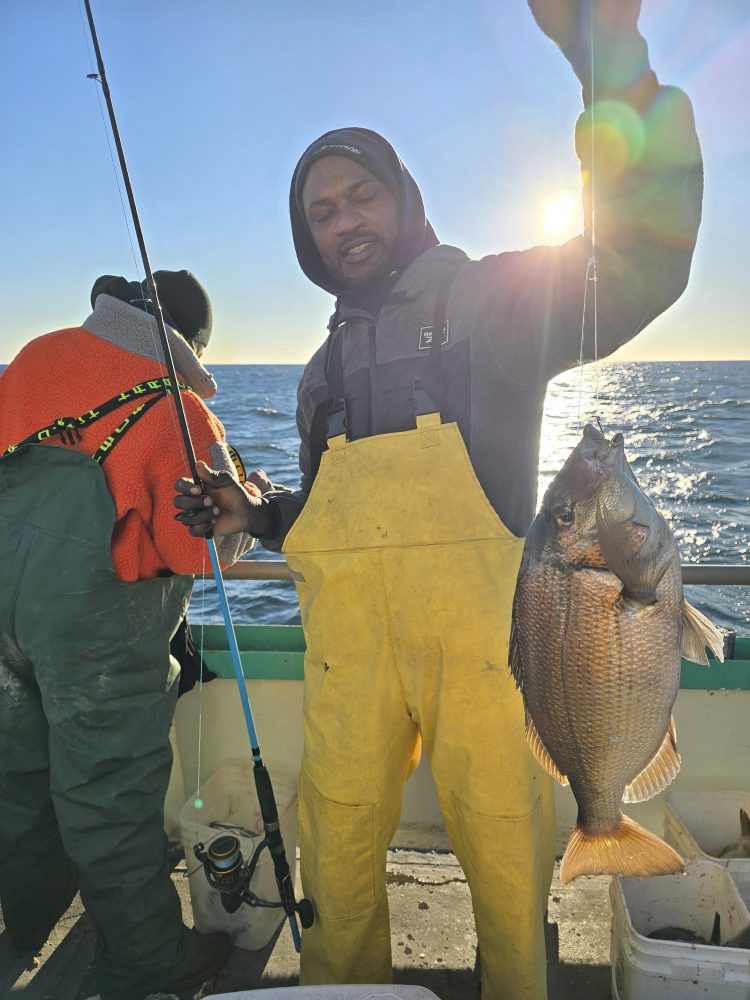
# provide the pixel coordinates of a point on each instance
(590, 700)
(595, 650)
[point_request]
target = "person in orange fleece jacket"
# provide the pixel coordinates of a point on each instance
(112, 355)
(96, 575)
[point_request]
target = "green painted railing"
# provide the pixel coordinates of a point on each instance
(731, 675)
(276, 652)
(268, 652)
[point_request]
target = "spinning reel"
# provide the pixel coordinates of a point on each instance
(230, 875)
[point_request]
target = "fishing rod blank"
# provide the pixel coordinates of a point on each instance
(263, 786)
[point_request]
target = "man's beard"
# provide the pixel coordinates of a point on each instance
(366, 277)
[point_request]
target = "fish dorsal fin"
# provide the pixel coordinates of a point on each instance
(697, 633)
(541, 752)
(662, 769)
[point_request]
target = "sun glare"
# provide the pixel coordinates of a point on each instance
(560, 213)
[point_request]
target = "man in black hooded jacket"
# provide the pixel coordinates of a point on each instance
(419, 420)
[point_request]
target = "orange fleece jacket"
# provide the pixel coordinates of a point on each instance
(66, 373)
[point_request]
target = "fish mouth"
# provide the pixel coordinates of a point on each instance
(598, 452)
(592, 455)
(593, 460)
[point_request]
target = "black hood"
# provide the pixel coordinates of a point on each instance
(184, 302)
(377, 155)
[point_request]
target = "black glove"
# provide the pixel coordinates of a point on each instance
(192, 665)
(621, 67)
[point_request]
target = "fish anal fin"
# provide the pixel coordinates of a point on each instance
(629, 850)
(540, 751)
(697, 633)
(660, 770)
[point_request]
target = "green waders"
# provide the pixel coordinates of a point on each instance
(87, 694)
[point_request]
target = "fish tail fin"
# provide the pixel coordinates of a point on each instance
(698, 634)
(627, 850)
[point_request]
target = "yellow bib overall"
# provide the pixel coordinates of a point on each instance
(406, 584)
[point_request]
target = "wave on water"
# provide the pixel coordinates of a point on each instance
(686, 428)
(265, 411)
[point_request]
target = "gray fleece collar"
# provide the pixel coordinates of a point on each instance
(134, 330)
(428, 267)
(424, 270)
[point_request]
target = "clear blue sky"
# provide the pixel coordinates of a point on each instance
(216, 100)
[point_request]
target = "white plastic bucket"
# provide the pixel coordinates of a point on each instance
(332, 993)
(701, 824)
(647, 969)
(742, 880)
(229, 799)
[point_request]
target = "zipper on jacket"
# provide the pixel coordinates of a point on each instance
(371, 332)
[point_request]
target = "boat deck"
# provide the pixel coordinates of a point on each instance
(434, 944)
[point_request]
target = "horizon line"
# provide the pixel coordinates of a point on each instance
(601, 361)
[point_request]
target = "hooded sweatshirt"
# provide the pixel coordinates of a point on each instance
(514, 320)
(74, 370)
(415, 234)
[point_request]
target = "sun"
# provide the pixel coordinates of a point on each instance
(560, 213)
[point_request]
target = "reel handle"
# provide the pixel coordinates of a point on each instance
(272, 827)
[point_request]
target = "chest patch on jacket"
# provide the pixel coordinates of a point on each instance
(426, 333)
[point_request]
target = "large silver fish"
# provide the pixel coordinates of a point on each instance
(599, 622)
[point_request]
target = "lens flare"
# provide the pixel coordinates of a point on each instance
(560, 213)
(617, 134)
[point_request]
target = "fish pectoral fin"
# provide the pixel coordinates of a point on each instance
(541, 752)
(697, 633)
(639, 554)
(661, 769)
(744, 824)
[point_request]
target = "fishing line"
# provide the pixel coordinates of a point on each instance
(587, 279)
(93, 75)
(266, 799)
(153, 330)
(591, 273)
(198, 800)
(152, 325)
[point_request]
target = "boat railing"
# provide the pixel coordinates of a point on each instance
(692, 573)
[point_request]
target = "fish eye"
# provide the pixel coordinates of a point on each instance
(563, 517)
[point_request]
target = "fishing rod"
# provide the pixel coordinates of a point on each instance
(223, 863)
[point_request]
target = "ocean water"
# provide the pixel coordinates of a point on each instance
(687, 437)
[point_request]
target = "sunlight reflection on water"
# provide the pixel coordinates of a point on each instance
(686, 427)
